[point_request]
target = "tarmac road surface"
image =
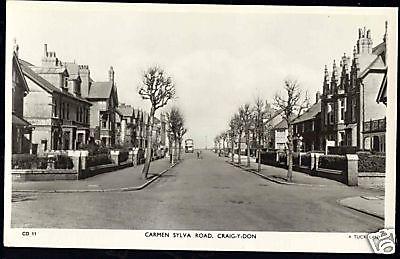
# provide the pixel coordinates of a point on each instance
(200, 194)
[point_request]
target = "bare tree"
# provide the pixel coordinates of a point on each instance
(158, 88)
(176, 130)
(261, 114)
(224, 136)
(239, 132)
(246, 116)
(292, 106)
(233, 125)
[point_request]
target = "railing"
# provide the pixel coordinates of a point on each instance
(375, 125)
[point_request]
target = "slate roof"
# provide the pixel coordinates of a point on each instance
(46, 85)
(18, 65)
(125, 110)
(72, 68)
(100, 90)
(49, 70)
(376, 65)
(379, 49)
(310, 114)
(19, 121)
(281, 125)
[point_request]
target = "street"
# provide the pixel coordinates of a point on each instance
(206, 194)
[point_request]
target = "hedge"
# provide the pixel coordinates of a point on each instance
(335, 162)
(268, 157)
(63, 162)
(123, 156)
(282, 157)
(27, 161)
(95, 149)
(100, 159)
(306, 160)
(371, 163)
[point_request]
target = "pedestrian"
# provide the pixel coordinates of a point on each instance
(198, 154)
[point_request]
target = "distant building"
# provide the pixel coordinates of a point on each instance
(126, 125)
(21, 129)
(279, 136)
(271, 123)
(307, 128)
(350, 114)
(57, 111)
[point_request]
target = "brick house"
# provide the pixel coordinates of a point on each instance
(58, 112)
(350, 114)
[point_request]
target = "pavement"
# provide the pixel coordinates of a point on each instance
(372, 205)
(125, 179)
(201, 194)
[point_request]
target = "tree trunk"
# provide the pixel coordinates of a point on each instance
(233, 149)
(175, 155)
(290, 153)
(239, 148)
(179, 149)
(149, 133)
(170, 149)
(248, 148)
(259, 153)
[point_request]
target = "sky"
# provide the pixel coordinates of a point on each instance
(219, 57)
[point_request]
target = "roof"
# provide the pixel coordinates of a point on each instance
(73, 68)
(310, 114)
(382, 94)
(19, 121)
(281, 125)
(125, 110)
(377, 65)
(49, 70)
(46, 85)
(379, 49)
(18, 65)
(100, 90)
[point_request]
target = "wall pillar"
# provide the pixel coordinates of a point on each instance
(76, 159)
(114, 156)
(352, 170)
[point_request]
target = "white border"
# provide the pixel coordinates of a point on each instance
(265, 241)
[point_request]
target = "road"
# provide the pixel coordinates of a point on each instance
(206, 194)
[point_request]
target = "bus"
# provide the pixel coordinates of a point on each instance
(189, 147)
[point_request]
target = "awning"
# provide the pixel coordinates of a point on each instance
(19, 121)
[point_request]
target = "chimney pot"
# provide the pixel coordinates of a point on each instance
(45, 50)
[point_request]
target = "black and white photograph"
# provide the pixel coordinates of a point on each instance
(200, 127)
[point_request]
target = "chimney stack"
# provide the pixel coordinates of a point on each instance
(45, 50)
(111, 74)
(317, 96)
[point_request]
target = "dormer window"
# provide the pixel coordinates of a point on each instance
(65, 85)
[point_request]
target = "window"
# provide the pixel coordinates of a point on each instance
(312, 126)
(63, 110)
(77, 114)
(353, 109)
(67, 111)
(330, 114)
(55, 109)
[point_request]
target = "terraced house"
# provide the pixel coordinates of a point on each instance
(55, 106)
(351, 115)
